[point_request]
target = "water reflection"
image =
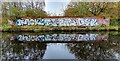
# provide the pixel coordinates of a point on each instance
(60, 37)
(102, 47)
(29, 50)
(101, 50)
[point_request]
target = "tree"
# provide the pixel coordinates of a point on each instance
(71, 11)
(35, 13)
(15, 10)
(93, 9)
(97, 7)
(79, 9)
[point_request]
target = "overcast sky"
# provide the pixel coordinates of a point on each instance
(55, 6)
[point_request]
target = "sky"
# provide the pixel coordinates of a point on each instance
(55, 7)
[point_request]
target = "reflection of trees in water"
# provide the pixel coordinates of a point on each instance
(100, 50)
(16, 50)
(85, 50)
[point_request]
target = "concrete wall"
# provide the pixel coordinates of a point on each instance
(62, 22)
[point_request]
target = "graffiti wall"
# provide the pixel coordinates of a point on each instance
(61, 37)
(62, 22)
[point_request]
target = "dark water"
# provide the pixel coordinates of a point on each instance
(50, 45)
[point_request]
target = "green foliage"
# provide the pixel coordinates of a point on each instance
(35, 13)
(103, 25)
(114, 22)
(83, 10)
(15, 10)
(79, 10)
(71, 12)
(15, 13)
(119, 23)
(100, 9)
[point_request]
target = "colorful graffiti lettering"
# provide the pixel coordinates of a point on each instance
(62, 22)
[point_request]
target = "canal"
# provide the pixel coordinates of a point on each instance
(60, 45)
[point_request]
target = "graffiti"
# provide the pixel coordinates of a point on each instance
(89, 22)
(61, 37)
(62, 22)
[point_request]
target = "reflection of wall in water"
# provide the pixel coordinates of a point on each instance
(61, 37)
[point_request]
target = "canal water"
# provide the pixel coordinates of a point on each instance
(61, 45)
